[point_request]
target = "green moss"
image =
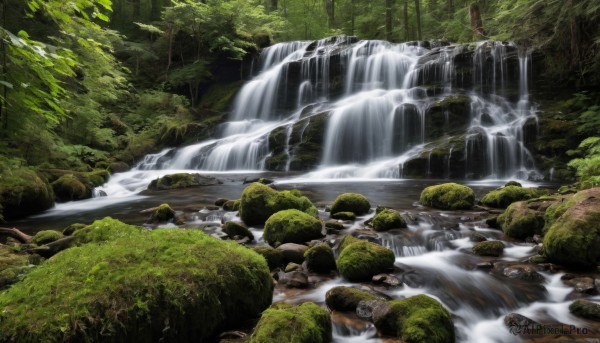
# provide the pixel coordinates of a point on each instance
(291, 226)
(346, 241)
(448, 196)
(103, 230)
(332, 224)
(421, 319)
(554, 211)
(488, 248)
(273, 257)
(359, 261)
(68, 188)
(46, 236)
(160, 285)
(23, 192)
(519, 221)
(513, 183)
(259, 202)
(319, 259)
(306, 323)
(172, 181)
(232, 205)
(346, 299)
(13, 266)
(233, 229)
(351, 202)
(585, 309)
(387, 219)
(343, 215)
(71, 229)
(501, 198)
(219, 96)
(162, 214)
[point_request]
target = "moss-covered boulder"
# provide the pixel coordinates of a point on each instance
(448, 196)
(346, 241)
(146, 286)
(23, 192)
(13, 266)
(585, 309)
(319, 258)
(273, 257)
(231, 205)
(259, 202)
(501, 198)
(574, 237)
(72, 228)
(343, 215)
(488, 248)
(233, 229)
(388, 219)
(105, 229)
(291, 226)
(346, 299)
(46, 236)
(306, 323)
(520, 221)
(335, 225)
(163, 213)
(351, 202)
(68, 188)
(182, 180)
(418, 319)
(359, 261)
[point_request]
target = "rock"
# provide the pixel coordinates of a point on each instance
(387, 280)
(574, 238)
(351, 202)
(520, 221)
(206, 283)
(233, 229)
(492, 223)
(231, 205)
(513, 183)
(274, 257)
(46, 236)
(584, 285)
(501, 198)
(365, 308)
(23, 192)
(585, 309)
(306, 323)
(262, 180)
(359, 261)
(69, 188)
(488, 248)
(485, 265)
(259, 202)
(71, 229)
(346, 299)
(347, 240)
(448, 196)
(162, 214)
(517, 321)
(343, 216)
(182, 180)
(319, 259)
(291, 226)
(538, 259)
(414, 320)
(477, 237)
(332, 224)
(118, 167)
(523, 272)
(291, 267)
(293, 279)
(292, 252)
(14, 266)
(387, 219)
(220, 202)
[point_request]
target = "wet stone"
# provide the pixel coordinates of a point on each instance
(515, 320)
(365, 308)
(387, 280)
(294, 279)
(584, 285)
(523, 273)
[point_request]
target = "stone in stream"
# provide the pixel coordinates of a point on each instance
(333, 224)
(294, 279)
(351, 202)
(365, 308)
(359, 261)
(274, 257)
(477, 237)
(233, 229)
(346, 299)
(523, 272)
(488, 248)
(291, 226)
(583, 285)
(501, 198)
(515, 322)
(162, 214)
(182, 180)
(319, 258)
(448, 196)
(343, 215)
(292, 252)
(387, 280)
(220, 202)
(585, 309)
(231, 205)
(387, 219)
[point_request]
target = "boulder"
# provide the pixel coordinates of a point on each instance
(259, 202)
(387, 219)
(231, 205)
(292, 252)
(319, 258)
(162, 214)
(182, 180)
(346, 299)
(351, 202)
(366, 308)
(501, 198)
(233, 229)
(448, 196)
(274, 257)
(69, 188)
(46, 236)
(293, 279)
(291, 226)
(521, 221)
(488, 248)
(343, 215)
(23, 192)
(523, 272)
(359, 261)
(332, 224)
(585, 309)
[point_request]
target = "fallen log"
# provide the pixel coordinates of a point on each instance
(52, 248)
(15, 234)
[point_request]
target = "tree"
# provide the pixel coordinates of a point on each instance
(388, 20)
(418, 16)
(476, 23)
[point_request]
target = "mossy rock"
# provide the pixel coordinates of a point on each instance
(351, 202)
(233, 229)
(388, 219)
(359, 261)
(418, 319)
(488, 248)
(231, 205)
(519, 221)
(346, 299)
(148, 286)
(319, 258)
(306, 323)
(343, 216)
(291, 226)
(219, 96)
(259, 202)
(574, 238)
(448, 196)
(273, 257)
(13, 266)
(346, 241)
(162, 214)
(46, 236)
(501, 198)
(104, 230)
(71, 229)
(68, 188)
(585, 309)
(332, 224)
(23, 192)
(513, 183)
(182, 180)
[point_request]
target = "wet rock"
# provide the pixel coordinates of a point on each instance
(231, 205)
(387, 280)
(183, 180)
(351, 202)
(319, 259)
(306, 323)
(583, 285)
(343, 298)
(295, 279)
(448, 196)
(274, 257)
(538, 239)
(488, 248)
(262, 180)
(387, 219)
(233, 229)
(413, 279)
(291, 226)
(220, 202)
(501, 198)
(492, 222)
(259, 202)
(585, 309)
(485, 265)
(477, 237)
(332, 224)
(291, 267)
(523, 272)
(365, 308)
(538, 259)
(292, 252)
(359, 261)
(515, 321)
(162, 214)
(520, 221)
(343, 216)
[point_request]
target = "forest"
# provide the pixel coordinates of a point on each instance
(299, 170)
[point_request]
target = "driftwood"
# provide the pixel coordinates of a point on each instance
(52, 248)
(15, 234)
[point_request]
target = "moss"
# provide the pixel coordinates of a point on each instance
(513, 183)
(259, 202)
(332, 224)
(359, 261)
(346, 241)
(181, 180)
(420, 319)
(585, 309)
(519, 221)
(387, 219)
(346, 299)
(23, 192)
(306, 323)
(219, 96)
(488, 248)
(68, 188)
(343, 216)
(233, 229)
(71, 229)
(351, 202)
(448, 196)
(46, 236)
(232, 205)
(554, 211)
(159, 285)
(103, 230)
(291, 226)
(273, 257)
(501, 198)
(13, 266)
(319, 259)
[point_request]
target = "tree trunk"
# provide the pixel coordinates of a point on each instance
(330, 9)
(418, 14)
(16, 234)
(170, 55)
(406, 37)
(476, 23)
(388, 20)
(3, 103)
(52, 248)
(273, 5)
(575, 44)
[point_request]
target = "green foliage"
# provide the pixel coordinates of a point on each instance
(291, 226)
(46, 236)
(448, 196)
(106, 229)
(351, 202)
(588, 166)
(387, 219)
(505, 196)
(346, 299)
(169, 284)
(359, 261)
